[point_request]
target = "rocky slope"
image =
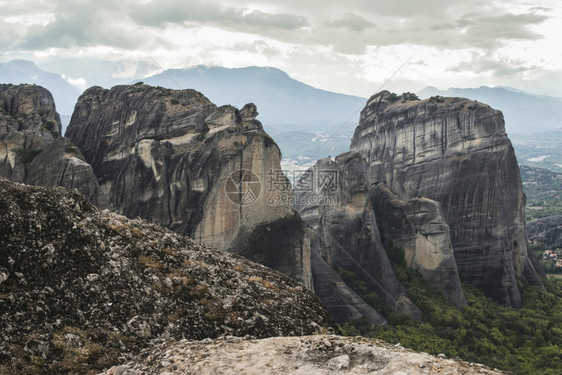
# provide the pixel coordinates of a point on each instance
(292, 355)
(31, 150)
(82, 289)
(546, 229)
(175, 158)
(456, 152)
(335, 203)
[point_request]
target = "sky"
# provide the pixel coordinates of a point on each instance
(351, 46)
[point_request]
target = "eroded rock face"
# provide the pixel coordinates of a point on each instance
(62, 164)
(321, 354)
(546, 229)
(28, 122)
(419, 228)
(175, 158)
(338, 209)
(31, 150)
(456, 152)
(80, 288)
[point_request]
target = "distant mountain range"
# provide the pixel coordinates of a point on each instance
(285, 104)
(303, 119)
(23, 71)
(523, 113)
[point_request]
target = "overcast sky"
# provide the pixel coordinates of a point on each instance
(349, 46)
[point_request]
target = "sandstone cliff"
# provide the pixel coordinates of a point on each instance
(31, 150)
(333, 199)
(81, 290)
(319, 355)
(456, 152)
(175, 158)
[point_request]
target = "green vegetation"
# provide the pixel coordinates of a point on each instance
(69, 148)
(409, 96)
(525, 341)
(393, 97)
(437, 98)
(547, 262)
(174, 101)
(539, 150)
(543, 189)
(27, 155)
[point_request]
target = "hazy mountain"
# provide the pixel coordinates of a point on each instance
(300, 117)
(284, 103)
(23, 71)
(523, 112)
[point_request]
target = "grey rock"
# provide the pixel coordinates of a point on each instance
(103, 294)
(319, 355)
(339, 363)
(546, 229)
(4, 275)
(458, 154)
(340, 300)
(28, 122)
(419, 228)
(338, 208)
(175, 158)
(62, 164)
(31, 150)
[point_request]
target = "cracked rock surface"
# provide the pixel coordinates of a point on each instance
(320, 354)
(82, 290)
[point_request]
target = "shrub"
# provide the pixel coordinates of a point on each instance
(27, 155)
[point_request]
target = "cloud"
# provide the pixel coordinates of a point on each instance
(162, 13)
(499, 68)
(82, 24)
(351, 22)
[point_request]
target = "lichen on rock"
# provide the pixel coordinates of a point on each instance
(82, 289)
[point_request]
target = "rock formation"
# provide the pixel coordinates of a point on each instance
(419, 228)
(80, 289)
(28, 122)
(319, 355)
(546, 229)
(175, 158)
(455, 152)
(332, 198)
(31, 150)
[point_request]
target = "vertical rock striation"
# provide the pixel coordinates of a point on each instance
(419, 228)
(456, 152)
(31, 150)
(28, 122)
(333, 199)
(175, 158)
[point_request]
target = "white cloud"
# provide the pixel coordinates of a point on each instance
(350, 46)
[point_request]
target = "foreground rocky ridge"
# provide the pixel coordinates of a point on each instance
(80, 288)
(319, 354)
(456, 152)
